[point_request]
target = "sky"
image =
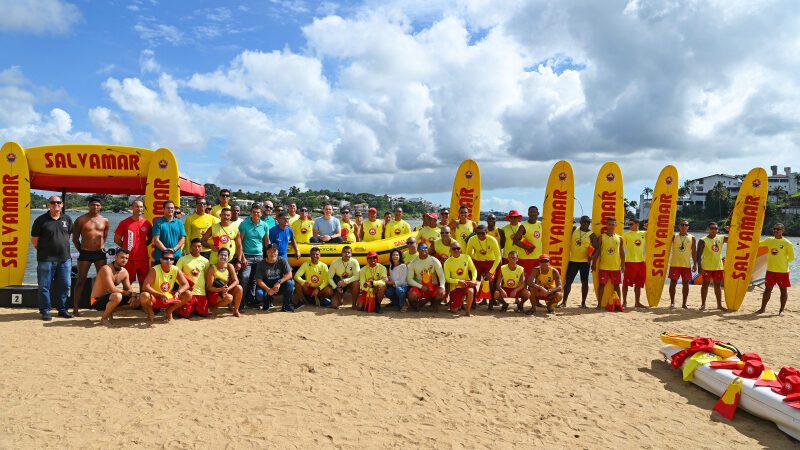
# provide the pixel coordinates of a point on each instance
(390, 96)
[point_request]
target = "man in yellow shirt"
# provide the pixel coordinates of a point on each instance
(635, 271)
(224, 202)
(292, 210)
(194, 268)
(313, 283)
(709, 263)
(444, 218)
(509, 231)
(426, 279)
(528, 240)
(491, 228)
(374, 276)
(441, 247)
(579, 260)
(485, 253)
(224, 235)
(197, 224)
(410, 253)
(428, 233)
(683, 261)
(348, 228)
(373, 227)
(343, 276)
(609, 259)
(463, 227)
(303, 227)
(545, 284)
(157, 289)
(780, 252)
(461, 276)
(510, 284)
(397, 226)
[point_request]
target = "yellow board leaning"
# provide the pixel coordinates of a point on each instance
(163, 183)
(745, 233)
(15, 198)
(467, 190)
(660, 228)
(608, 202)
(557, 215)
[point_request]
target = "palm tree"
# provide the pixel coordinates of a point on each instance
(687, 189)
(780, 193)
(647, 192)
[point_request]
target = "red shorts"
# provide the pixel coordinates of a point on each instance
(528, 265)
(483, 267)
(773, 278)
(213, 298)
(137, 270)
(715, 275)
(604, 276)
(684, 273)
(508, 291)
(308, 291)
(423, 295)
(457, 297)
(197, 303)
(635, 273)
(159, 303)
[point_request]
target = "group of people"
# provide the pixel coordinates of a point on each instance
(217, 258)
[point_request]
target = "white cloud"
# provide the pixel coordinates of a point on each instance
(147, 61)
(110, 123)
(502, 204)
(155, 33)
(38, 16)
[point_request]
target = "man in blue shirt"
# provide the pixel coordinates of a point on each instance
(168, 232)
(266, 214)
(253, 230)
(327, 228)
(282, 236)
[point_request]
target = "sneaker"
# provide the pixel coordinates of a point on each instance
(324, 302)
(299, 306)
(47, 317)
(288, 308)
(65, 314)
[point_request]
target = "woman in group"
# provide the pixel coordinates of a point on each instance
(397, 284)
(222, 285)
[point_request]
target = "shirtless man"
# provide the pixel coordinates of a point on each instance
(89, 236)
(106, 296)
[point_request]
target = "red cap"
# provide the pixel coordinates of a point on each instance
(544, 257)
(372, 210)
(789, 385)
(432, 215)
(750, 357)
(513, 213)
(372, 255)
(752, 369)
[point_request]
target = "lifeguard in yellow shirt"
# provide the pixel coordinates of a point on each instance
(529, 241)
(510, 284)
(429, 232)
(374, 276)
(461, 276)
(545, 284)
(373, 227)
(343, 277)
(609, 259)
(709, 263)
(780, 252)
(635, 271)
(313, 283)
(303, 227)
(398, 226)
(485, 253)
(463, 227)
(197, 224)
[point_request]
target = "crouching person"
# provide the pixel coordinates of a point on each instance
(274, 277)
(157, 289)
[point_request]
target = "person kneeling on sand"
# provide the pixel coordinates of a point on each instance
(460, 273)
(273, 277)
(222, 284)
(157, 288)
(426, 280)
(545, 284)
(343, 277)
(106, 296)
(374, 277)
(510, 284)
(312, 282)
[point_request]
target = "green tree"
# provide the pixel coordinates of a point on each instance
(718, 199)
(686, 190)
(647, 192)
(781, 194)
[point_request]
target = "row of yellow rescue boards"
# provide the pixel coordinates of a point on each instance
(746, 222)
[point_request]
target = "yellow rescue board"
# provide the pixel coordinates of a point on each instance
(660, 226)
(15, 198)
(685, 341)
(745, 233)
(557, 215)
(608, 202)
(467, 190)
(163, 183)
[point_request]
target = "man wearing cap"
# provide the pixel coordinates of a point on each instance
(508, 232)
(545, 284)
(780, 252)
(609, 259)
(343, 276)
(528, 239)
(709, 263)
(312, 280)
(683, 262)
(428, 233)
(441, 246)
(197, 224)
(426, 280)
(303, 227)
(374, 276)
(373, 227)
(410, 252)
(327, 229)
(292, 210)
(462, 228)
(274, 277)
(348, 229)
(485, 253)
(398, 226)
(282, 235)
(579, 256)
(253, 231)
(635, 270)
(491, 228)
(510, 284)
(461, 276)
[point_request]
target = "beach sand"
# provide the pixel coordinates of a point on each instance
(324, 378)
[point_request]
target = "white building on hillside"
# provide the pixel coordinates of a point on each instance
(787, 180)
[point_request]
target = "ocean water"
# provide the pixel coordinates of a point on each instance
(116, 218)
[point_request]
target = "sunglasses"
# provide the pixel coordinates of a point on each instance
(303, 210)
(684, 224)
(445, 232)
(713, 228)
(455, 249)
(359, 215)
(224, 195)
(202, 203)
(777, 229)
(56, 203)
(481, 234)
(167, 259)
(409, 243)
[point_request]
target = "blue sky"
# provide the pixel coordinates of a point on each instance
(390, 96)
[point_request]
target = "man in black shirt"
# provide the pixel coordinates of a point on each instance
(50, 236)
(274, 277)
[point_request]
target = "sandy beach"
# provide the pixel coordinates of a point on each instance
(342, 379)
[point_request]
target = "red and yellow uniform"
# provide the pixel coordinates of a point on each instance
(462, 231)
(314, 274)
(397, 227)
(196, 225)
(485, 254)
(194, 269)
(533, 235)
(346, 271)
(547, 280)
(579, 245)
(509, 231)
(163, 283)
(373, 230)
(610, 262)
(635, 272)
(512, 279)
(441, 250)
(348, 232)
(680, 265)
(303, 230)
(458, 269)
(428, 235)
(224, 237)
(711, 258)
(375, 274)
(780, 252)
(495, 233)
